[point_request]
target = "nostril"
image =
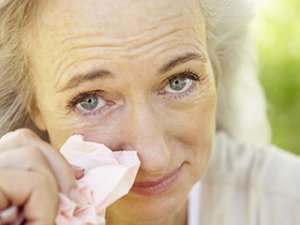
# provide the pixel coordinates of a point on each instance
(125, 147)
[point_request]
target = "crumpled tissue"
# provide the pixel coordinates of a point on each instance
(108, 176)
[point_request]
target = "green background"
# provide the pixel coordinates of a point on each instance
(277, 35)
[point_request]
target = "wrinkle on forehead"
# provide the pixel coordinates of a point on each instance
(121, 28)
(150, 48)
(139, 14)
(131, 46)
(118, 19)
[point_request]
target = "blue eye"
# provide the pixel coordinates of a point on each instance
(179, 84)
(90, 103)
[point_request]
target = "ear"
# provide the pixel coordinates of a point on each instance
(37, 117)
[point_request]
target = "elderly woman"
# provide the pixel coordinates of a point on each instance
(142, 75)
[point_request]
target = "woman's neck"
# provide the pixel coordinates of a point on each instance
(177, 219)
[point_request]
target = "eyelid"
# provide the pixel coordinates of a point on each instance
(109, 105)
(186, 74)
(71, 105)
(84, 95)
(100, 102)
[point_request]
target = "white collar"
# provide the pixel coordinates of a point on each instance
(194, 204)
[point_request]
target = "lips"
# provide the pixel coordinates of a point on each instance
(149, 188)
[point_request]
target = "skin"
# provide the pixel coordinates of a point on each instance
(31, 174)
(132, 39)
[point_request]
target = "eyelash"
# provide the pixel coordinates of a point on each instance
(185, 74)
(71, 105)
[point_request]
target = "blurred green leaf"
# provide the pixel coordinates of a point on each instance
(278, 46)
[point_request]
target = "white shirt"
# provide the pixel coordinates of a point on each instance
(194, 205)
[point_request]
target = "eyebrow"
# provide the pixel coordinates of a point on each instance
(104, 74)
(87, 77)
(181, 60)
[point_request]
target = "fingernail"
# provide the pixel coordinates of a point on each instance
(78, 172)
(9, 215)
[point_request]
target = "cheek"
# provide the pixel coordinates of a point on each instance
(61, 125)
(111, 132)
(193, 131)
(110, 136)
(194, 126)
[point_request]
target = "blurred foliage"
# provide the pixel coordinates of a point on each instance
(278, 44)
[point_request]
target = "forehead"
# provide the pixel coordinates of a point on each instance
(129, 16)
(63, 19)
(71, 28)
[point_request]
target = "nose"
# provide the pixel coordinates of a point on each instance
(147, 137)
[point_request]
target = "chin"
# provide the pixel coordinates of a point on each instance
(147, 210)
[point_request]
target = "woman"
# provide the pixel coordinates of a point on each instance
(139, 75)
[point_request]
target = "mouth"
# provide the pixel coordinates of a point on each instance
(151, 188)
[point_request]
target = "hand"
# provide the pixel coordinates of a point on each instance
(31, 175)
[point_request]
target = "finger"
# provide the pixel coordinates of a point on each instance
(28, 159)
(16, 139)
(60, 167)
(9, 216)
(4, 203)
(30, 190)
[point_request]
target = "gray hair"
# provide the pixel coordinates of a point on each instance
(241, 101)
(241, 104)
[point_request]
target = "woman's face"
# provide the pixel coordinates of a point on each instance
(132, 75)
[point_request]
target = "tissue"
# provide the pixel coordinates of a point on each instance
(108, 176)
